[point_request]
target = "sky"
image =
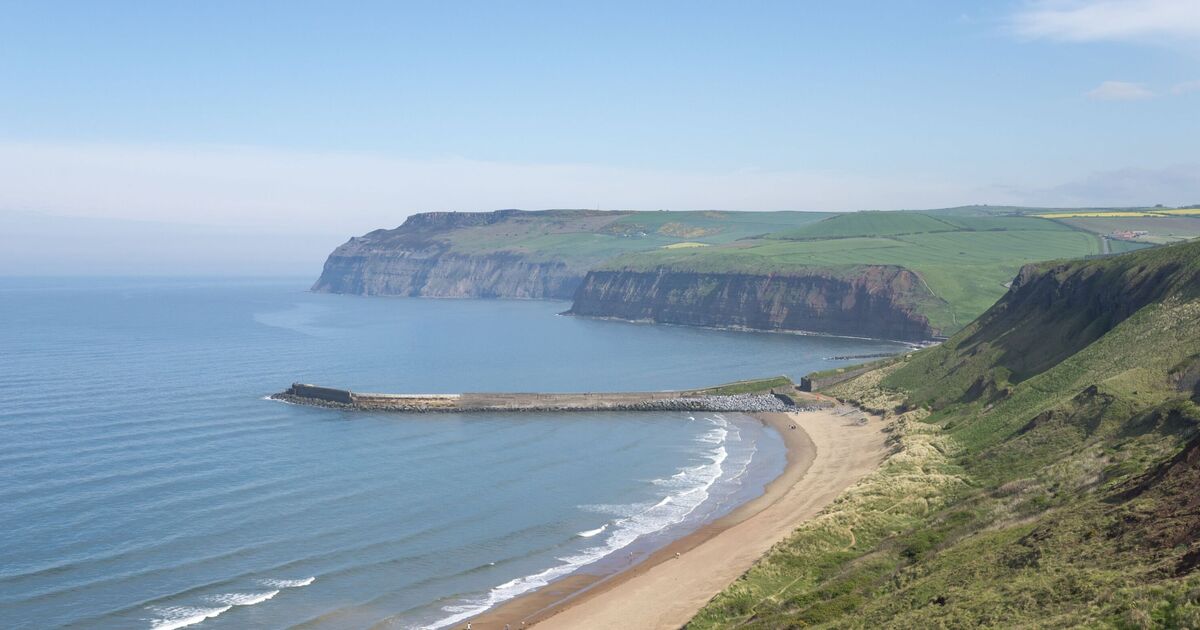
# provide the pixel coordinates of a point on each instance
(269, 132)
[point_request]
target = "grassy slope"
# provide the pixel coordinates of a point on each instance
(780, 384)
(1023, 491)
(965, 260)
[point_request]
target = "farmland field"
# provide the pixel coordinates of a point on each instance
(585, 237)
(965, 261)
(1160, 229)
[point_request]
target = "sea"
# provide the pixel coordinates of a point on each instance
(147, 482)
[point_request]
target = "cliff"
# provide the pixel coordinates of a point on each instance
(420, 258)
(429, 272)
(870, 301)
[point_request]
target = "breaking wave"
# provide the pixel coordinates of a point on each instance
(592, 532)
(287, 583)
(173, 617)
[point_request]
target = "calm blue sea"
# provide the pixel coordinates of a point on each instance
(146, 483)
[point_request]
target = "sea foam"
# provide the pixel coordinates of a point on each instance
(592, 532)
(173, 617)
(243, 599)
(287, 583)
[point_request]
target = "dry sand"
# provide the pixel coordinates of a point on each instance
(827, 453)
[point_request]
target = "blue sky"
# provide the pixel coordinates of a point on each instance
(347, 116)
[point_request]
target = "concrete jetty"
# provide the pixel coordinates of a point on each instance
(724, 398)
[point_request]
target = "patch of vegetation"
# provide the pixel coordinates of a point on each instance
(869, 223)
(1054, 490)
(585, 238)
(780, 384)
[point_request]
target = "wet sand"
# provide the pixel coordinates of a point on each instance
(826, 454)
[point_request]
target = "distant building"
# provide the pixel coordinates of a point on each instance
(1129, 234)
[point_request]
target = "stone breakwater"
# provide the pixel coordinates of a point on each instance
(617, 401)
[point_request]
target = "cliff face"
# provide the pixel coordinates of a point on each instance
(1073, 304)
(414, 260)
(874, 301)
(436, 274)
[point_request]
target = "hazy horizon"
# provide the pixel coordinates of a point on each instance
(304, 126)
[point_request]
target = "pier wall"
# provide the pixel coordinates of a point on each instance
(695, 400)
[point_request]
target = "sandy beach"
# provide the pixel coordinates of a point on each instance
(827, 453)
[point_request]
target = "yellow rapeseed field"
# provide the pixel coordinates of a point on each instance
(1164, 212)
(1097, 215)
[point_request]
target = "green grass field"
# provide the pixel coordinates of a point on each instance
(594, 237)
(965, 260)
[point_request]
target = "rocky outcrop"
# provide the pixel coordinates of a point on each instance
(870, 301)
(416, 260)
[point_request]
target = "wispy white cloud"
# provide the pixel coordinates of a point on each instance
(1120, 91)
(1174, 185)
(1186, 87)
(1109, 20)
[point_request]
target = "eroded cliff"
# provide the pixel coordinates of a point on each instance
(878, 301)
(417, 259)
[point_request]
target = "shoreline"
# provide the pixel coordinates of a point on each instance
(670, 585)
(913, 345)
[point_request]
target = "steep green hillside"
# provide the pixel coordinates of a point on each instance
(966, 261)
(1044, 474)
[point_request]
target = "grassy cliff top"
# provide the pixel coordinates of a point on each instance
(1043, 474)
(582, 237)
(965, 256)
(966, 261)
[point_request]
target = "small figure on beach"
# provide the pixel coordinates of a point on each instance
(676, 555)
